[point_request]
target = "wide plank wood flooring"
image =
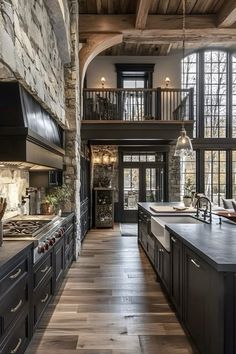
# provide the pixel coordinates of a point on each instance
(110, 303)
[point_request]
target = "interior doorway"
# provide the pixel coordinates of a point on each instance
(142, 178)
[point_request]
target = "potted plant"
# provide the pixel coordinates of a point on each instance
(53, 202)
(188, 193)
(48, 204)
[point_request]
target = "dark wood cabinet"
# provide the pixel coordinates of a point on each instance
(59, 259)
(162, 264)
(42, 298)
(104, 207)
(203, 312)
(19, 337)
(15, 286)
(176, 273)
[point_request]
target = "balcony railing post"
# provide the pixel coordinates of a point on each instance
(158, 104)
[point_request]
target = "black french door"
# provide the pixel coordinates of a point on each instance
(142, 179)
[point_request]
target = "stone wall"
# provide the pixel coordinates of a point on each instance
(72, 94)
(12, 186)
(174, 175)
(29, 49)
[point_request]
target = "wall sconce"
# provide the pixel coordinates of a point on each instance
(106, 159)
(113, 159)
(103, 80)
(167, 81)
(97, 160)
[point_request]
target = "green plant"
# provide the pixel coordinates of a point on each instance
(188, 188)
(61, 194)
(50, 199)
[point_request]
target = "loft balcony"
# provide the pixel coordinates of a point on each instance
(137, 114)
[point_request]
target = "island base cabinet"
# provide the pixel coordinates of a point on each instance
(203, 304)
(176, 275)
(162, 264)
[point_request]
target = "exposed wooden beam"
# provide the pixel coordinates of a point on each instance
(143, 7)
(164, 49)
(96, 44)
(227, 14)
(164, 28)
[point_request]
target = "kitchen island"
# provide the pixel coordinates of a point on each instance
(198, 275)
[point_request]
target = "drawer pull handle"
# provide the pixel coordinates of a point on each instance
(195, 263)
(173, 239)
(14, 276)
(45, 269)
(15, 350)
(14, 309)
(45, 299)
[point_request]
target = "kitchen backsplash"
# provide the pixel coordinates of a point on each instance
(13, 184)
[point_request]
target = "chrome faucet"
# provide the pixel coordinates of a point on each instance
(207, 210)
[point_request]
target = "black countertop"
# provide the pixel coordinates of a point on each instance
(215, 243)
(11, 249)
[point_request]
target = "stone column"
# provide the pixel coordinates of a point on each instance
(174, 175)
(72, 134)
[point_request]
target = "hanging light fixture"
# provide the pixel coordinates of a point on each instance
(184, 145)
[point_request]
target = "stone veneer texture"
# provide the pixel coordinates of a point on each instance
(13, 184)
(28, 47)
(174, 175)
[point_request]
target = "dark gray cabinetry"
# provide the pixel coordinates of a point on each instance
(15, 285)
(203, 311)
(145, 237)
(176, 273)
(42, 291)
(162, 264)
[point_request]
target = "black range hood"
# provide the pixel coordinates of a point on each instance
(27, 132)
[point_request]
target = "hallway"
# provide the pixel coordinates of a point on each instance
(110, 303)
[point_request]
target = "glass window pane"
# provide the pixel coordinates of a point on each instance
(215, 175)
(131, 188)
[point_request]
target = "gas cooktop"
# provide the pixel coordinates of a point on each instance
(27, 227)
(23, 227)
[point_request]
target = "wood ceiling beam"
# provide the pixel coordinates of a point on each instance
(164, 49)
(164, 28)
(227, 14)
(142, 13)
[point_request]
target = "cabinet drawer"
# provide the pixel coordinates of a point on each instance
(41, 299)
(14, 276)
(41, 271)
(17, 341)
(69, 255)
(151, 241)
(13, 303)
(69, 236)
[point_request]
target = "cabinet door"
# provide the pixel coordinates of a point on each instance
(165, 268)
(59, 261)
(158, 258)
(196, 299)
(176, 273)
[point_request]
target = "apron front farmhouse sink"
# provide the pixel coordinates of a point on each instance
(158, 224)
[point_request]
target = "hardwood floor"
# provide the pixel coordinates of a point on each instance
(110, 303)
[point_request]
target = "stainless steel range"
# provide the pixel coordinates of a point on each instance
(43, 230)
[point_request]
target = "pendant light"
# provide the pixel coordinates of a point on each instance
(183, 146)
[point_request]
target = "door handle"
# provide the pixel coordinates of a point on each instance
(195, 263)
(173, 239)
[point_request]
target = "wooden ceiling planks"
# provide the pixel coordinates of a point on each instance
(137, 49)
(156, 7)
